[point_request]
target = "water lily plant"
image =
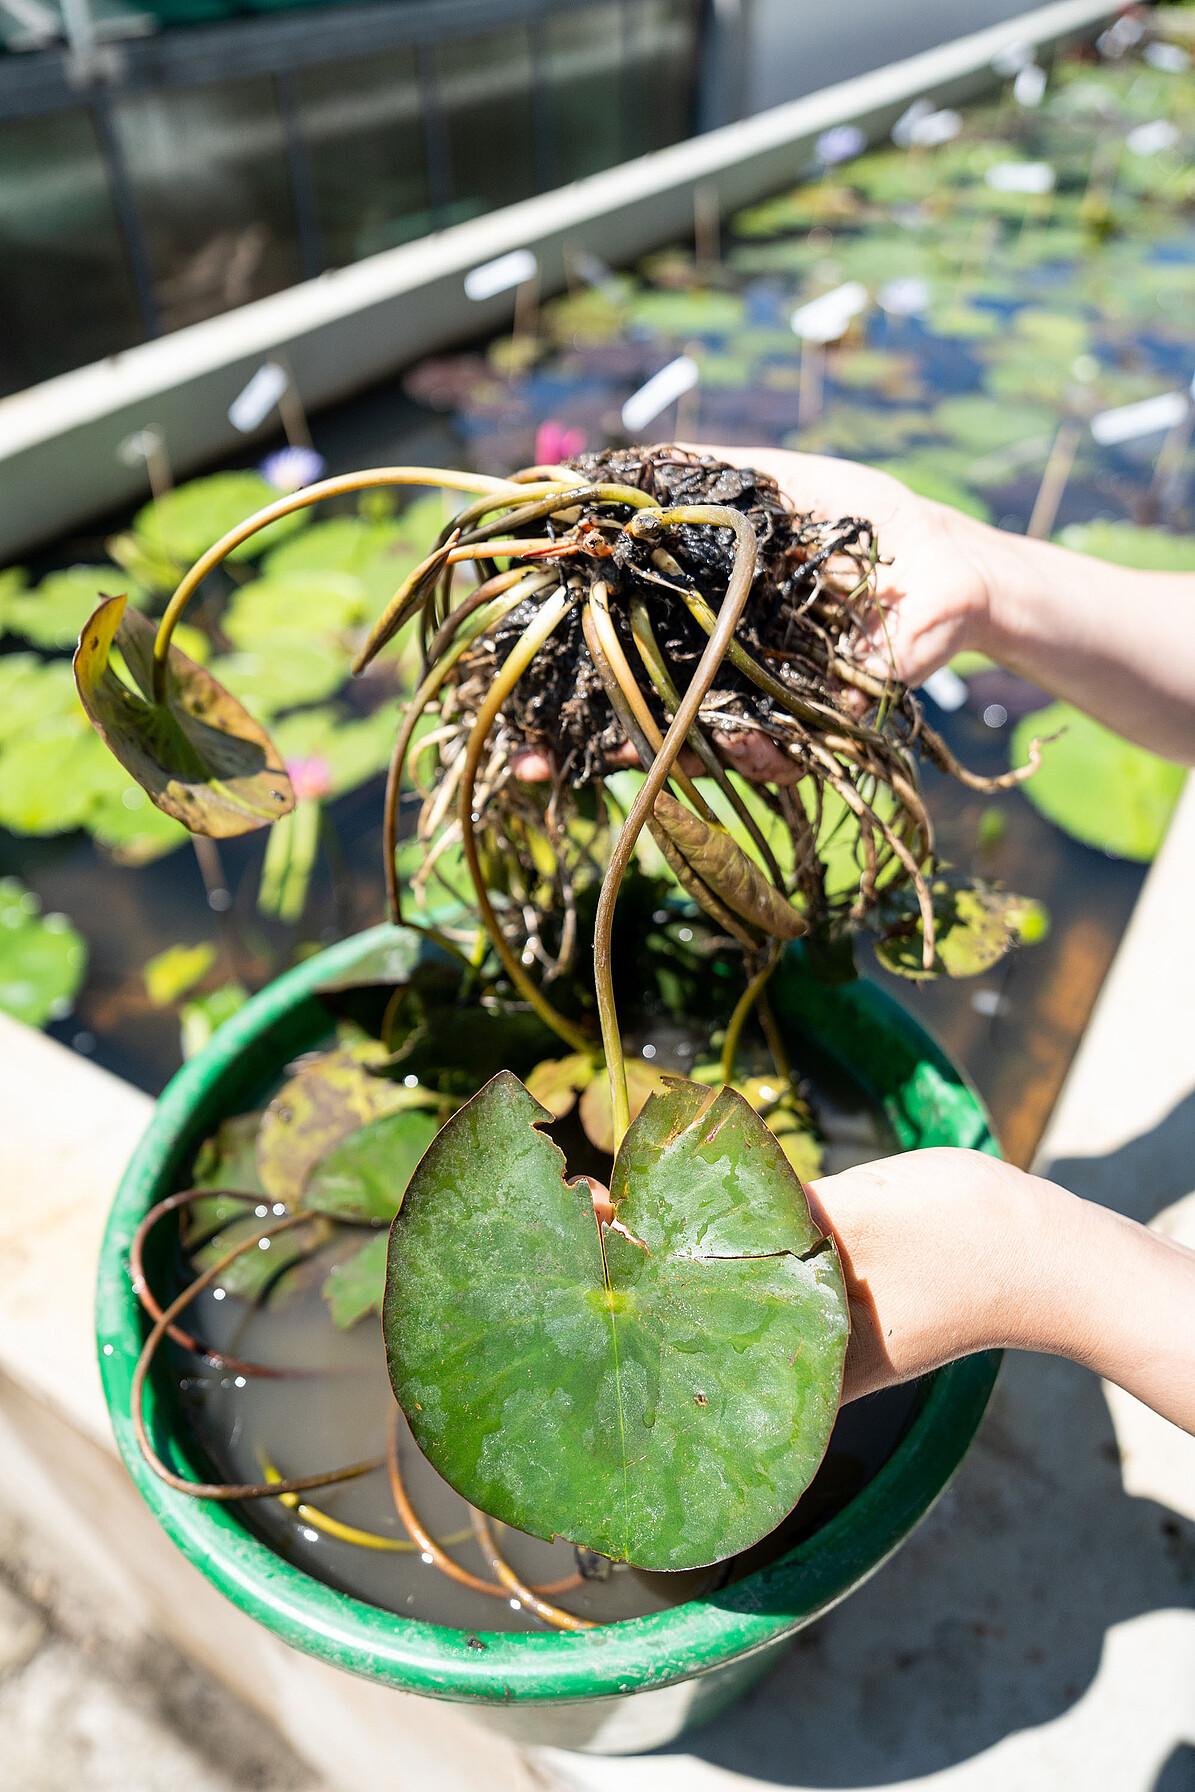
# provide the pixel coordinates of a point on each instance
(634, 652)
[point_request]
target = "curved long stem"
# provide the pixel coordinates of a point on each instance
(220, 1490)
(742, 1008)
(657, 670)
(551, 1614)
(285, 506)
(520, 657)
(733, 604)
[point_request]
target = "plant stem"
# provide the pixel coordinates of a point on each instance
(742, 1008)
(285, 506)
(551, 1614)
(733, 604)
(520, 657)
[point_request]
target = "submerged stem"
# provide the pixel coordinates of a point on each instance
(742, 1008)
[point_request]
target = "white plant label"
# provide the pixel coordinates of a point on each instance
(1152, 138)
(137, 448)
(1029, 88)
(661, 390)
(252, 406)
(493, 277)
(946, 688)
(1021, 177)
(828, 317)
(1145, 418)
(905, 297)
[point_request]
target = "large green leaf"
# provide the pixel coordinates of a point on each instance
(1127, 544)
(33, 690)
(42, 958)
(364, 1177)
(179, 527)
(199, 756)
(975, 924)
(671, 1419)
(283, 676)
(53, 614)
(1103, 790)
(313, 608)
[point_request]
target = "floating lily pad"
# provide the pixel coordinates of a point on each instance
(33, 690)
(925, 478)
(316, 608)
(54, 775)
(200, 1017)
(43, 960)
(170, 974)
(982, 424)
(975, 924)
(364, 1177)
(358, 1285)
(1096, 786)
(52, 615)
(282, 675)
(252, 1275)
(352, 750)
(377, 554)
(226, 1163)
(671, 1418)
(694, 313)
(199, 755)
(179, 527)
(1126, 544)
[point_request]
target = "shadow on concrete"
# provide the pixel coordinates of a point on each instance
(1178, 1771)
(992, 1618)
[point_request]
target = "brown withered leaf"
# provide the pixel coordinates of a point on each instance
(722, 864)
(199, 756)
(330, 1095)
(556, 1082)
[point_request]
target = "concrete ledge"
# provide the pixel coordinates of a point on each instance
(59, 441)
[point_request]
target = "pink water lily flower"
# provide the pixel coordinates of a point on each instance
(555, 441)
(312, 777)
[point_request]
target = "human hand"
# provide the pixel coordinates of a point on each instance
(946, 1252)
(931, 583)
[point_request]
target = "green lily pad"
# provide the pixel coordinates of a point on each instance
(200, 1017)
(177, 528)
(52, 615)
(282, 676)
(131, 828)
(33, 690)
(358, 1285)
(983, 424)
(252, 1275)
(670, 1417)
(1126, 544)
(364, 1177)
(352, 750)
(315, 608)
(170, 974)
(330, 1095)
(694, 313)
(974, 926)
(391, 961)
(200, 757)
(226, 1163)
(928, 481)
(53, 776)
(1096, 786)
(43, 960)
(377, 554)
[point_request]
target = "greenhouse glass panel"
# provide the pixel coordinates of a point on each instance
(209, 169)
(660, 73)
(485, 96)
(580, 73)
(65, 292)
(362, 124)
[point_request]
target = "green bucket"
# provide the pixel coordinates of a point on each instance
(623, 1687)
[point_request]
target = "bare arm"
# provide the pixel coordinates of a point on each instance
(1118, 644)
(1013, 1261)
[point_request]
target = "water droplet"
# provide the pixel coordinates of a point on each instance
(410, 1082)
(516, 1605)
(649, 1051)
(311, 1536)
(425, 1557)
(240, 1382)
(217, 1294)
(279, 1207)
(263, 1244)
(107, 1350)
(261, 1212)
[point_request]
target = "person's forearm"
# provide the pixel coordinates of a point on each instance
(1119, 644)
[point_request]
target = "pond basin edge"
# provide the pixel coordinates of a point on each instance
(726, 1640)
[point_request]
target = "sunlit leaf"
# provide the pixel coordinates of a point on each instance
(721, 864)
(251, 1275)
(200, 1017)
(199, 755)
(358, 1285)
(315, 609)
(556, 1082)
(364, 1177)
(33, 690)
(975, 924)
(330, 1096)
(43, 960)
(182, 525)
(1096, 786)
(597, 1113)
(928, 481)
(670, 1422)
(170, 974)
(226, 1163)
(390, 961)
(283, 676)
(353, 750)
(52, 615)
(1126, 544)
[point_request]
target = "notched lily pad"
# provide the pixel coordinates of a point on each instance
(199, 755)
(670, 1418)
(975, 924)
